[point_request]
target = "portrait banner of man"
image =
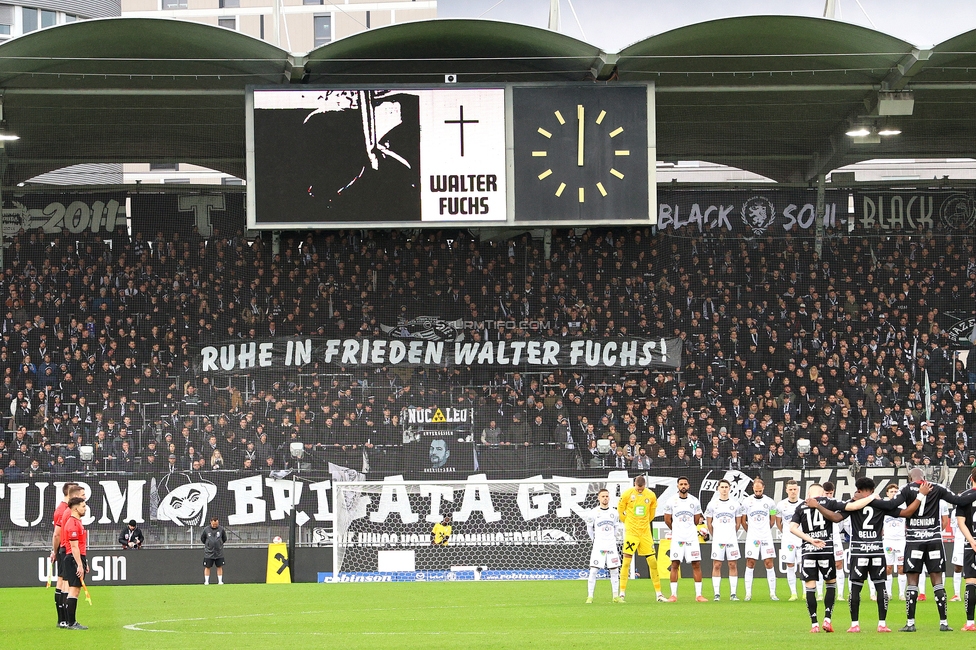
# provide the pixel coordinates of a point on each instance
(439, 452)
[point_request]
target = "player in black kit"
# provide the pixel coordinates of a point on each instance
(814, 528)
(923, 546)
(966, 518)
(867, 559)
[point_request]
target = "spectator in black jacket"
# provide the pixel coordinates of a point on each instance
(131, 537)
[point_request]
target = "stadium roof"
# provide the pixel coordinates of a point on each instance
(770, 94)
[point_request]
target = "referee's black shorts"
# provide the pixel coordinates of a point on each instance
(58, 562)
(70, 571)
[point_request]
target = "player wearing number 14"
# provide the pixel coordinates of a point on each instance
(602, 524)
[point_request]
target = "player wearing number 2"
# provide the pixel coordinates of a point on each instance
(867, 559)
(602, 523)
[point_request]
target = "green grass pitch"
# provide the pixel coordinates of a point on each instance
(442, 615)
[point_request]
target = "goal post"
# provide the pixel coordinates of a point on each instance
(533, 527)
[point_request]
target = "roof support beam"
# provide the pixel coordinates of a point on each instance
(604, 66)
(908, 67)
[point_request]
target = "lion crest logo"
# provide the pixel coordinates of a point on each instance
(958, 211)
(758, 214)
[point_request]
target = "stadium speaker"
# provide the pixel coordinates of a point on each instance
(297, 450)
(803, 445)
(86, 453)
(603, 446)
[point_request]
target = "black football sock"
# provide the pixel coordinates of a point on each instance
(57, 605)
(855, 600)
(941, 601)
(812, 604)
(970, 602)
(830, 596)
(72, 607)
(882, 600)
(911, 602)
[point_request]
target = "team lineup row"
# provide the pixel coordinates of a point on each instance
(901, 533)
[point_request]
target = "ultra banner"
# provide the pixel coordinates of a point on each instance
(752, 213)
(906, 211)
(190, 499)
(318, 352)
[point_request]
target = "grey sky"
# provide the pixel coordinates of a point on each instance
(614, 24)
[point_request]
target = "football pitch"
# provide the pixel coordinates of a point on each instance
(452, 614)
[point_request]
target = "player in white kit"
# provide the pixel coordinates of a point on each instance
(682, 514)
(723, 517)
(893, 540)
(602, 525)
(759, 514)
(789, 544)
(958, 547)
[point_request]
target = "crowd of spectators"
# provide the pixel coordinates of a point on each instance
(790, 358)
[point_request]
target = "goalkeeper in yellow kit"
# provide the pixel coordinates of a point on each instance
(637, 507)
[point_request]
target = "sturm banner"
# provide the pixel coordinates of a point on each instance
(306, 353)
(752, 213)
(190, 499)
(177, 499)
(913, 211)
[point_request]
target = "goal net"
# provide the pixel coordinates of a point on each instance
(535, 528)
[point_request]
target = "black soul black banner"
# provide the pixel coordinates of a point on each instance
(913, 211)
(750, 213)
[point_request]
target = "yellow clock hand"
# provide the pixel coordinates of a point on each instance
(579, 139)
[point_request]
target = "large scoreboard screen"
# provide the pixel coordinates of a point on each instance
(450, 156)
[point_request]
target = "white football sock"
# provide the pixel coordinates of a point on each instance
(771, 579)
(734, 583)
(674, 588)
(791, 579)
(698, 588)
(717, 585)
(615, 581)
(749, 574)
(591, 582)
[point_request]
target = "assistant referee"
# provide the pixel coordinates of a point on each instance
(74, 539)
